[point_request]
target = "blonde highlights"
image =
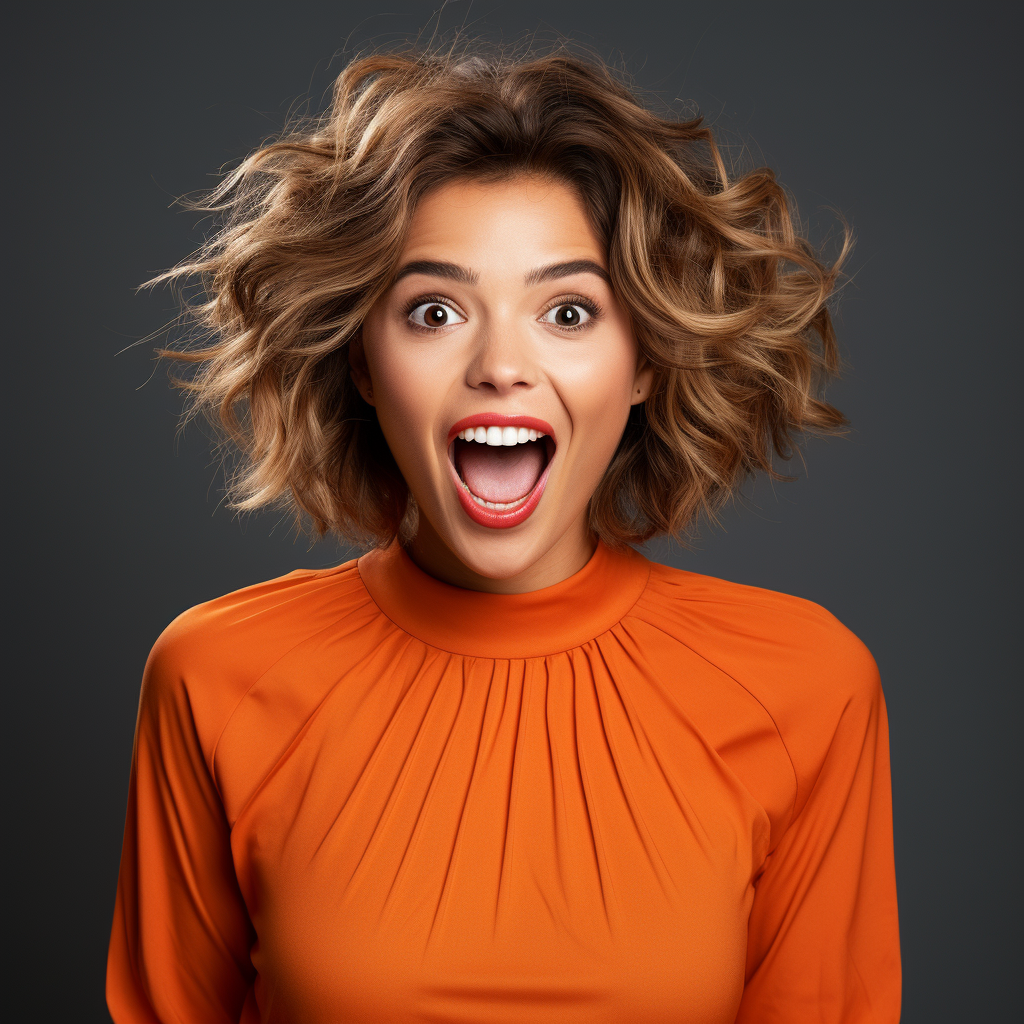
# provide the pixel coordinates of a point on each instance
(727, 298)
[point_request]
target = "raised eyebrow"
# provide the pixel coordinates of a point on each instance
(437, 268)
(554, 270)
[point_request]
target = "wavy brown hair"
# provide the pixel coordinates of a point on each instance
(727, 298)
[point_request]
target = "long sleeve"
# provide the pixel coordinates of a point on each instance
(179, 948)
(823, 937)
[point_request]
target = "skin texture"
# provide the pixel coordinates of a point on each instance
(504, 349)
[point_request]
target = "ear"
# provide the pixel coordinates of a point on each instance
(642, 382)
(358, 368)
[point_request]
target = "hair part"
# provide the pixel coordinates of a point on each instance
(727, 298)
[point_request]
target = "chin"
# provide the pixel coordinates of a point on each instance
(498, 555)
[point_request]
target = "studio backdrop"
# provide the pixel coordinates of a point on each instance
(900, 117)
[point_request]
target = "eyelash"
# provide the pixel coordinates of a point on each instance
(440, 300)
(592, 308)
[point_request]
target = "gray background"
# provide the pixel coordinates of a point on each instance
(900, 115)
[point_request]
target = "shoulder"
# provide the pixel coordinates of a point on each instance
(805, 667)
(757, 628)
(209, 656)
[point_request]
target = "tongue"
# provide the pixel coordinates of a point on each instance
(499, 474)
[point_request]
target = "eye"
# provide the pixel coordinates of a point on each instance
(568, 314)
(434, 314)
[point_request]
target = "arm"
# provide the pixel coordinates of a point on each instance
(179, 949)
(823, 938)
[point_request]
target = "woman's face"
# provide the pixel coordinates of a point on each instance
(502, 369)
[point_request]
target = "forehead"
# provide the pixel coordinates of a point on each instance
(516, 223)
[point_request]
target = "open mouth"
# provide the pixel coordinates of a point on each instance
(500, 465)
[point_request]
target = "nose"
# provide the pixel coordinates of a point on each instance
(502, 362)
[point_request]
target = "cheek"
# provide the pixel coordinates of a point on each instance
(409, 386)
(399, 401)
(597, 392)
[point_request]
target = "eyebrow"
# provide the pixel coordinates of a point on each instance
(453, 272)
(555, 270)
(437, 268)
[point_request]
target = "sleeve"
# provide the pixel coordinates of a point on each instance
(179, 948)
(823, 935)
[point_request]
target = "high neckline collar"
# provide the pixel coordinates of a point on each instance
(482, 625)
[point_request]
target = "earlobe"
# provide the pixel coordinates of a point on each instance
(358, 368)
(642, 383)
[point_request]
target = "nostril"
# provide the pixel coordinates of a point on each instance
(498, 388)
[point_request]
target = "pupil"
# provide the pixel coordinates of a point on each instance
(437, 315)
(568, 316)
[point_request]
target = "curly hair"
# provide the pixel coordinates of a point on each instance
(727, 297)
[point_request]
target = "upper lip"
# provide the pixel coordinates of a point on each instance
(494, 419)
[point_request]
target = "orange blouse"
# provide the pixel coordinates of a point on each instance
(639, 795)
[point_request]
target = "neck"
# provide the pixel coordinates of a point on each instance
(564, 558)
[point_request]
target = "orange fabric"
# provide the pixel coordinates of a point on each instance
(640, 795)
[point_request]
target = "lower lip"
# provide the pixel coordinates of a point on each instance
(500, 519)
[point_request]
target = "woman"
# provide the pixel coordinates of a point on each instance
(500, 321)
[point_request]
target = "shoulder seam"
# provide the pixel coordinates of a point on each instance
(758, 701)
(231, 714)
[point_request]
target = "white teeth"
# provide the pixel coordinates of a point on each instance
(499, 435)
(498, 506)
